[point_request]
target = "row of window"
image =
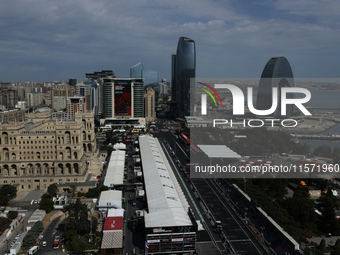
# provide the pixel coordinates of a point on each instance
(44, 180)
(36, 147)
(47, 152)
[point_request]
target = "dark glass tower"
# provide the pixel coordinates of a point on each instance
(185, 69)
(173, 79)
(276, 73)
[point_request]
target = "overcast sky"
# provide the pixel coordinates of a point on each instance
(44, 40)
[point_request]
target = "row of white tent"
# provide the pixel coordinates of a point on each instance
(166, 201)
(115, 170)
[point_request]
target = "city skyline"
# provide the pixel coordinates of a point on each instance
(51, 41)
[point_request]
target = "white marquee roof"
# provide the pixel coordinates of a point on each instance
(166, 201)
(115, 169)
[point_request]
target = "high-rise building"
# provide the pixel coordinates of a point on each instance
(72, 82)
(34, 99)
(123, 98)
(99, 78)
(136, 71)
(277, 73)
(59, 95)
(149, 104)
(76, 104)
(173, 79)
(8, 98)
(183, 69)
(150, 77)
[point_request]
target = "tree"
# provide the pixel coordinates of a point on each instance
(46, 204)
(6, 193)
(103, 188)
(94, 193)
(336, 251)
(52, 189)
(32, 235)
(73, 190)
(4, 223)
(12, 215)
(78, 226)
(322, 245)
(329, 203)
(8, 190)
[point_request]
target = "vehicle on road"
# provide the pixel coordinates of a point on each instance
(56, 242)
(44, 243)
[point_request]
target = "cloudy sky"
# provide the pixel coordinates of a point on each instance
(44, 40)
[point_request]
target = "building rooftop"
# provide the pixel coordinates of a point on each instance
(219, 151)
(166, 201)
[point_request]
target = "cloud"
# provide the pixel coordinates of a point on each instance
(87, 35)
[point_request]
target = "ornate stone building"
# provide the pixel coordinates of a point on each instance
(39, 152)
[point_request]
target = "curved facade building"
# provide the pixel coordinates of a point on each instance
(185, 70)
(276, 73)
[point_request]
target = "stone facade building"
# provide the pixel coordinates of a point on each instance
(149, 104)
(39, 152)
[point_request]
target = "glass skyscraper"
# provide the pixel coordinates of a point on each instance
(136, 71)
(276, 73)
(150, 77)
(184, 64)
(173, 78)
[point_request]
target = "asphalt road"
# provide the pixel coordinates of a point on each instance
(238, 235)
(132, 239)
(236, 232)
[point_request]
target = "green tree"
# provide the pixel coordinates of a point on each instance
(336, 251)
(4, 200)
(73, 189)
(4, 223)
(301, 208)
(6, 193)
(8, 190)
(337, 243)
(46, 204)
(103, 188)
(52, 189)
(322, 245)
(78, 215)
(94, 193)
(329, 203)
(12, 215)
